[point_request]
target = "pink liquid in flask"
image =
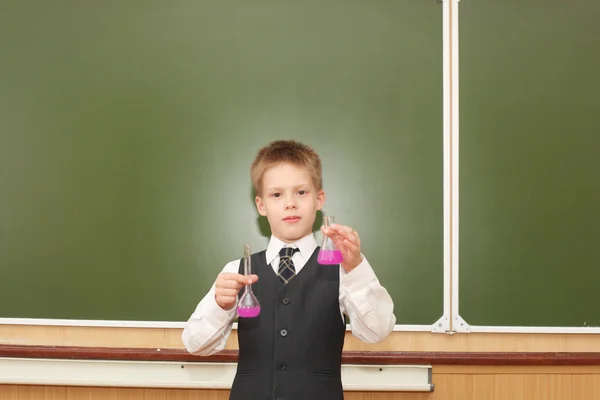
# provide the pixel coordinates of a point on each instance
(329, 254)
(249, 312)
(248, 305)
(330, 257)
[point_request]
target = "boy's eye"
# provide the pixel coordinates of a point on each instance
(276, 194)
(302, 192)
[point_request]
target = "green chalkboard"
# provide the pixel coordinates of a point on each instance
(127, 130)
(530, 164)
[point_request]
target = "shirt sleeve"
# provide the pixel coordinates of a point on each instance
(367, 303)
(208, 328)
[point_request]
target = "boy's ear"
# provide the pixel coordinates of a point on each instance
(320, 199)
(260, 206)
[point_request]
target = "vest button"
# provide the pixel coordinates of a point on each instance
(283, 332)
(285, 301)
(282, 366)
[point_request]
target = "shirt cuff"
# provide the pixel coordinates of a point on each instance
(359, 277)
(217, 314)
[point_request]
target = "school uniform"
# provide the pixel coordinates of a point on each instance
(293, 349)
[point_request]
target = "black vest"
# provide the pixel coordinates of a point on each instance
(293, 349)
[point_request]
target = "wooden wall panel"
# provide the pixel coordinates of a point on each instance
(451, 383)
(516, 383)
(9, 392)
(397, 341)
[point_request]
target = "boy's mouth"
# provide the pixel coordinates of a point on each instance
(291, 219)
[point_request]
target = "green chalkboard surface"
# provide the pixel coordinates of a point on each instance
(127, 130)
(530, 164)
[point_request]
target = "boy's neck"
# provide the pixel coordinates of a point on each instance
(294, 241)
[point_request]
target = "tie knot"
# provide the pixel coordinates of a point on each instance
(287, 252)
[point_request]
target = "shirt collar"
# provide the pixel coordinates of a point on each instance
(306, 245)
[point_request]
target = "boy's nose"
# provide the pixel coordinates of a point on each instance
(290, 204)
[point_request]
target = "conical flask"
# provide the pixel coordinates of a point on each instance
(329, 254)
(248, 306)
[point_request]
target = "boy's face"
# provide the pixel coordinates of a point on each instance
(290, 201)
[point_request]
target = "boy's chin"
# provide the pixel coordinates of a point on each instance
(289, 237)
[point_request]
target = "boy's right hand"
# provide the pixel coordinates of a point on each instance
(228, 286)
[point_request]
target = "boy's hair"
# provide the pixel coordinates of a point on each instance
(286, 151)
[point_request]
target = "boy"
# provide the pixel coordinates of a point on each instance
(293, 349)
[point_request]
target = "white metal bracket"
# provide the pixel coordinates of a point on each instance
(459, 325)
(442, 325)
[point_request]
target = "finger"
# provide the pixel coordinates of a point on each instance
(328, 231)
(229, 284)
(337, 240)
(227, 298)
(227, 292)
(342, 230)
(331, 231)
(349, 247)
(349, 234)
(243, 279)
(335, 228)
(341, 235)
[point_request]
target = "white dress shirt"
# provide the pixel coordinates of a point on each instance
(367, 303)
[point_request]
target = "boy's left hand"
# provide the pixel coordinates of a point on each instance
(347, 241)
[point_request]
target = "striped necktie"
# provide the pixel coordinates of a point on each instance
(286, 266)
